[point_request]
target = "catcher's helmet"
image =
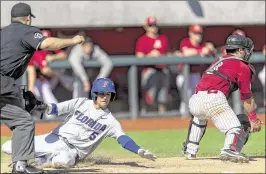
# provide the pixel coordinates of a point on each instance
(238, 41)
(103, 85)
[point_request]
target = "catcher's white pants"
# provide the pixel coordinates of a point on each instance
(54, 148)
(213, 106)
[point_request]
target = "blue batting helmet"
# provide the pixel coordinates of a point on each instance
(103, 85)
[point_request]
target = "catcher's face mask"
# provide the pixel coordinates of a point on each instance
(249, 49)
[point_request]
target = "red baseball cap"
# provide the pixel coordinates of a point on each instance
(196, 29)
(151, 20)
(46, 33)
(239, 32)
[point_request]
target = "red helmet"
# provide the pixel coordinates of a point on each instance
(46, 33)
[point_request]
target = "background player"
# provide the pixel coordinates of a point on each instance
(41, 78)
(19, 41)
(223, 77)
(87, 123)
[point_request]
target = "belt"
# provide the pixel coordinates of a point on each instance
(71, 146)
(209, 91)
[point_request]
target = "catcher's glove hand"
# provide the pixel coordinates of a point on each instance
(255, 126)
(32, 105)
(146, 154)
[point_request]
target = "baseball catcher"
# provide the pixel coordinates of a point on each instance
(225, 75)
(86, 125)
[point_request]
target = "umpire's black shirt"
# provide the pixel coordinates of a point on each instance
(18, 44)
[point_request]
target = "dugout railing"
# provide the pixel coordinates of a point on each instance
(132, 62)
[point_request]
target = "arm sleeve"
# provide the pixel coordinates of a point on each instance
(75, 60)
(116, 130)
(127, 143)
(184, 44)
(244, 82)
(66, 106)
(105, 61)
(33, 38)
(167, 49)
(140, 46)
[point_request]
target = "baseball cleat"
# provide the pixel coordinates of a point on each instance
(19, 169)
(186, 154)
(229, 155)
(189, 156)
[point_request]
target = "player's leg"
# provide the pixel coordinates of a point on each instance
(197, 126)
(78, 90)
(194, 79)
(20, 122)
(227, 122)
(196, 131)
(48, 96)
(147, 83)
(180, 87)
(42, 147)
(54, 151)
(261, 76)
(164, 83)
(64, 158)
(22, 125)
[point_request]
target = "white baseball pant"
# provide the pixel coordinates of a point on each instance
(50, 146)
(205, 105)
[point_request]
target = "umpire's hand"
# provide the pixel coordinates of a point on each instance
(78, 39)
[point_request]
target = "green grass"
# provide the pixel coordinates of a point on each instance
(168, 143)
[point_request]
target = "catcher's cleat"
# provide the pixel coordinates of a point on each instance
(186, 154)
(189, 156)
(229, 155)
(19, 168)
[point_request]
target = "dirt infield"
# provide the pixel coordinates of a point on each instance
(128, 125)
(162, 165)
(105, 164)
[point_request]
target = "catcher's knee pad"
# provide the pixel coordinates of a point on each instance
(196, 131)
(236, 138)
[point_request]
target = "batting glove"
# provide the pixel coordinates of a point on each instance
(146, 154)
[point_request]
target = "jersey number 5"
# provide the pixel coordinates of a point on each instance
(93, 135)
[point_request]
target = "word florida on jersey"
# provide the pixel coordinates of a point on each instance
(89, 121)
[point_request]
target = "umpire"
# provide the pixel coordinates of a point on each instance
(19, 41)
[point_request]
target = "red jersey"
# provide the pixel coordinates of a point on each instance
(145, 45)
(238, 72)
(185, 43)
(38, 59)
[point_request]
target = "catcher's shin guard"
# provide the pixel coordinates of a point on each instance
(241, 137)
(196, 131)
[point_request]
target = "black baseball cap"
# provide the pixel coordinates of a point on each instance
(20, 10)
(88, 40)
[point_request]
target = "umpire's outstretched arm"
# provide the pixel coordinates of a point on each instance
(53, 43)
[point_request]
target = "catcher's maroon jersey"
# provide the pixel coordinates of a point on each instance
(236, 70)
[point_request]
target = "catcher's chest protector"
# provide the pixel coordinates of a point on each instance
(213, 69)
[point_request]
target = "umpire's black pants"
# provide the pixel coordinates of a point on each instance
(17, 119)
